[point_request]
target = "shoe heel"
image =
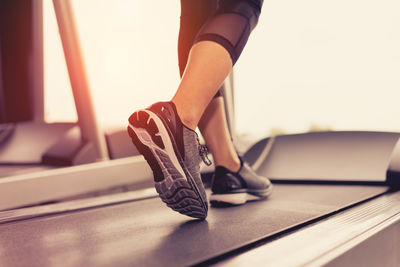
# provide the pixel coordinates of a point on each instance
(172, 185)
(138, 121)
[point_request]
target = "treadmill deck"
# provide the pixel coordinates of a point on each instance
(147, 233)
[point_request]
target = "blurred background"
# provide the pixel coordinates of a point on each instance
(309, 65)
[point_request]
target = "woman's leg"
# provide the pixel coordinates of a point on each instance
(216, 49)
(213, 125)
(208, 65)
(194, 14)
(159, 132)
(214, 128)
(202, 77)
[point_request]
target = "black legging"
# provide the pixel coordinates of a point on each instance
(226, 22)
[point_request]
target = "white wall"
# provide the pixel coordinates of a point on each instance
(331, 63)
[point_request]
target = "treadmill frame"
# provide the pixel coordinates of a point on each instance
(61, 183)
(365, 235)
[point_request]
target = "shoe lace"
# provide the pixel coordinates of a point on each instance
(203, 152)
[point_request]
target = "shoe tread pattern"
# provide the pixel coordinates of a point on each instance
(174, 190)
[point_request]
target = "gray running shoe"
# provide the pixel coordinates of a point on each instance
(174, 154)
(237, 188)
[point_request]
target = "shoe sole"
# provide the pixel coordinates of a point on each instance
(236, 199)
(174, 187)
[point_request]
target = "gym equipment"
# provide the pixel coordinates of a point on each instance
(335, 203)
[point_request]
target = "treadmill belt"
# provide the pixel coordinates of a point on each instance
(146, 233)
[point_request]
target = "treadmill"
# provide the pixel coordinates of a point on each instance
(335, 203)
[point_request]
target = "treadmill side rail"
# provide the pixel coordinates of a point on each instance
(365, 235)
(60, 183)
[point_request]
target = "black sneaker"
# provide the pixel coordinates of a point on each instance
(236, 188)
(174, 154)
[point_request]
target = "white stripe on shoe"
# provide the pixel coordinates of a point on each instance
(233, 199)
(168, 150)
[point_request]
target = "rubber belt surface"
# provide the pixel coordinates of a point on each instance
(146, 233)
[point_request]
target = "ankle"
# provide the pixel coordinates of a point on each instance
(187, 121)
(186, 116)
(232, 164)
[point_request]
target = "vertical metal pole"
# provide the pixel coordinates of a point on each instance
(36, 62)
(78, 78)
